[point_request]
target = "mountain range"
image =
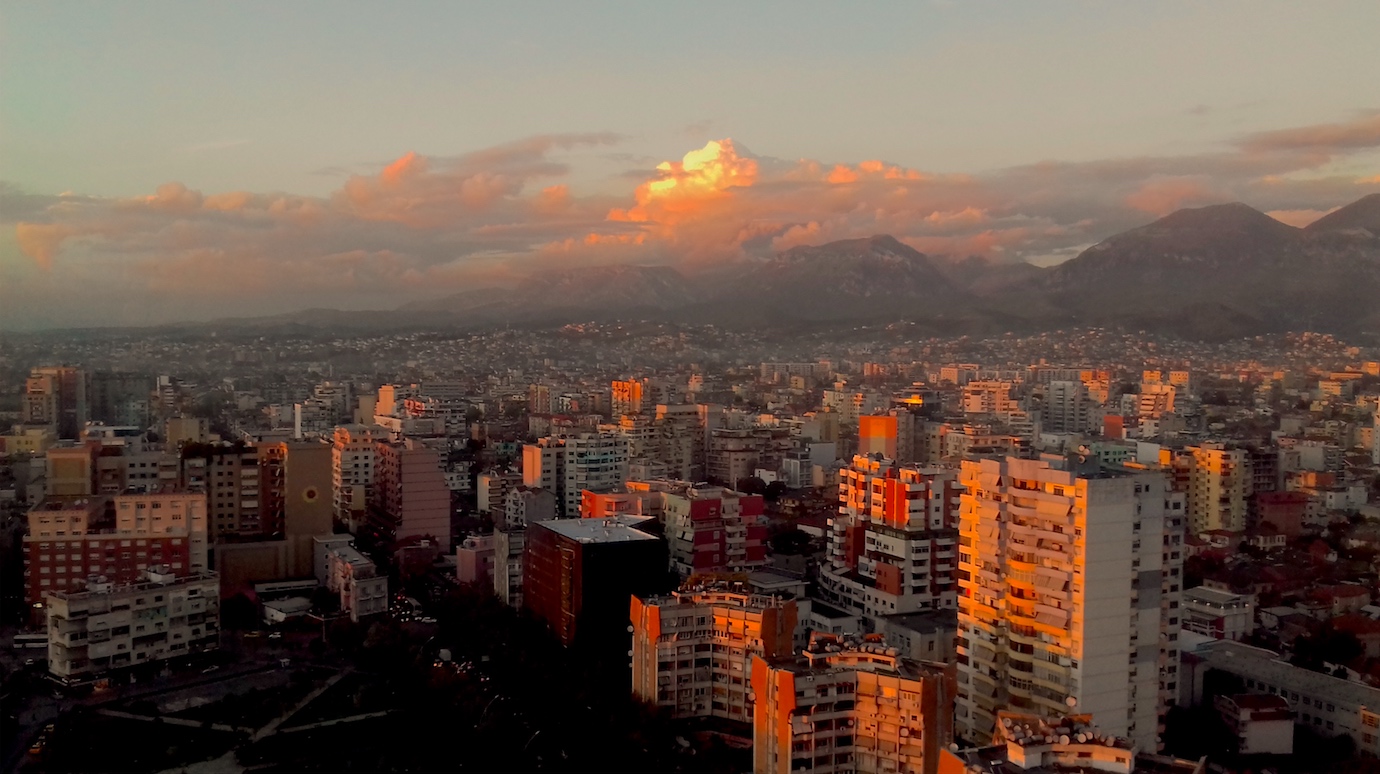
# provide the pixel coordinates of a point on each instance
(1221, 271)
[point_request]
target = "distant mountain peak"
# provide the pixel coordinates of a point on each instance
(877, 246)
(1234, 216)
(1364, 213)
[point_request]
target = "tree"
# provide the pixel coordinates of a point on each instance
(752, 485)
(239, 612)
(774, 491)
(1326, 646)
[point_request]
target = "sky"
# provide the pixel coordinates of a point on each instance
(177, 161)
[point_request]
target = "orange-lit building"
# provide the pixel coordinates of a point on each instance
(693, 649)
(877, 435)
(354, 460)
(893, 543)
(1069, 589)
(635, 502)
(711, 529)
(850, 707)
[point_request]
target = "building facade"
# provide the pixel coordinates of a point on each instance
(693, 649)
(578, 575)
(849, 707)
(1050, 555)
(712, 529)
(893, 544)
(410, 494)
(117, 538)
(102, 626)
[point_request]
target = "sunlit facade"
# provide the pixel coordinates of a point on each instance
(849, 707)
(693, 649)
(1069, 589)
(893, 544)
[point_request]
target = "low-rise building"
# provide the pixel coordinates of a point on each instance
(363, 592)
(97, 626)
(1218, 614)
(474, 560)
(1059, 745)
(1330, 706)
(1262, 724)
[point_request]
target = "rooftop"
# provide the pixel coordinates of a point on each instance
(613, 529)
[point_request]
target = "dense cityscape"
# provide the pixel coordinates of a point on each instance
(633, 546)
(789, 388)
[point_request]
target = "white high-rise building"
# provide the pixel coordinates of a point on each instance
(1069, 589)
(353, 463)
(1066, 408)
(570, 464)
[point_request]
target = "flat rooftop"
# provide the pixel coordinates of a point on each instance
(614, 529)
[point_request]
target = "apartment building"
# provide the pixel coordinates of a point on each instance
(846, 706)
(570, 464)
(1219, 483)
(578, 574)
(893, 544)
(1218, 614)
(351, 575)
(712, 529)
(410, 497)
(693, 649)
(1069, 590)
(229, 475)
(117, 537)
(98, 626)
(354, 462)
(1066, 408)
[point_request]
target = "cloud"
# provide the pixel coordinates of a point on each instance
(424, 224)
(41, 241)
(1163, 195)
(1362, 132)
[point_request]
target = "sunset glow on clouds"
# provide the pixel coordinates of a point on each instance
(422, 226)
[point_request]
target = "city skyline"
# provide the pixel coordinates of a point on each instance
(393, 173)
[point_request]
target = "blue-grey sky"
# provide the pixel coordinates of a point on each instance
(107, 102)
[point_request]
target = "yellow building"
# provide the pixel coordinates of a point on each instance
(850, 707)
(1065, 570)
(1219, 482)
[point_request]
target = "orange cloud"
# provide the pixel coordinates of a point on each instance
(841, 174)
(40, 241)
(443, 223)
(684, 188)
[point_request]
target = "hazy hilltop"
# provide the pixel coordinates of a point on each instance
(1213, 272)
